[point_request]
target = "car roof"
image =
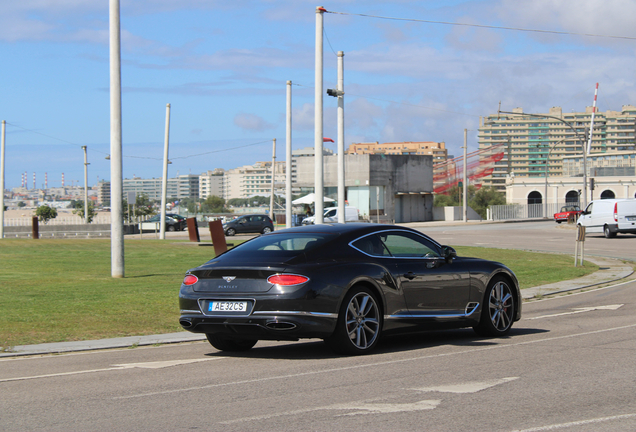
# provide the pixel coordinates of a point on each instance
(357, 228)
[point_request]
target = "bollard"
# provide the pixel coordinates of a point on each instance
(580, 244)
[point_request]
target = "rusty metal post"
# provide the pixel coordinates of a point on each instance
(193, 230)
(218, 237)
(35, 233)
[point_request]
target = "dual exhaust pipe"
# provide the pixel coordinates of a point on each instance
(272, 325)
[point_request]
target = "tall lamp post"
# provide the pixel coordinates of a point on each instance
(578, 136)
(85, 185)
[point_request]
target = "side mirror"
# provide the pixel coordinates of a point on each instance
(449, 253)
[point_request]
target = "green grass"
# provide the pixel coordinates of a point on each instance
(62, 290)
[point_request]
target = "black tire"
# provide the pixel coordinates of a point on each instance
(227, 344)
(266, 230)
(230, 232)
(608, 233)
(171, 228)
(559, 221)
(499, 309)
(359, 323)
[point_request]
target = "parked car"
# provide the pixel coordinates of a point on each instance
(172, 224)
(331, 215)
(348, 284)
(567, 212)
(256, 223)
(610, 216)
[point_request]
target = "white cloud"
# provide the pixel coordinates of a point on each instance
(252, 122)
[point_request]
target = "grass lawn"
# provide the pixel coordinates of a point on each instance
(62, 290)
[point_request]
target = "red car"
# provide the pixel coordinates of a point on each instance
(567, 212)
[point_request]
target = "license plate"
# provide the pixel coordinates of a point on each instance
(631, 218)
(227, 306)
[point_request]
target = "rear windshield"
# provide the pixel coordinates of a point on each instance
(283, 244)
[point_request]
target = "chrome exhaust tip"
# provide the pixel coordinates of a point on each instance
(185, 323)
(280, 325)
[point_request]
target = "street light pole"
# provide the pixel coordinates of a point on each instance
(318, 120)
(582, 141)
(288, 160)
(4, 128)
(164, 179)
(465, 186)
(341, 145)
(85, 185)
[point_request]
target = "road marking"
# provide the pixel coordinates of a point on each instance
(580, 310)
(470, 387)
(147, 365)
(359, 408)
(576, 423)
(361, 366)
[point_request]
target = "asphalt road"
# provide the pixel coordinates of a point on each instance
(568, 365)
(546, 236)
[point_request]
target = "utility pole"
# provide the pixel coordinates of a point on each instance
(341, 145)
(2, 140)
(116, 179)
(318, 121)
(164, 180)
(465, 202)
(288, 161)
(85, 185)
(271, 198)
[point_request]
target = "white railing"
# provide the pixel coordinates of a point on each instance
(524, 211)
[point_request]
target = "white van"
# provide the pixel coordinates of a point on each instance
(610, 216)
(331, 215)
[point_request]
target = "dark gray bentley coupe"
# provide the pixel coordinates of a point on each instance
(347, 284)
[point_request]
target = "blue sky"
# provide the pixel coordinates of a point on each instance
(223, 67)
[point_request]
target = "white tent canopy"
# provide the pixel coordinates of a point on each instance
(309, 199)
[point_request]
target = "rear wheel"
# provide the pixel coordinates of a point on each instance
(227, 344)
(359, 323)
(266, 230)
(498, 311)
(607, 232)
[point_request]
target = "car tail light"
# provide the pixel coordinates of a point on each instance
(615, 212)
(287, 279)
(190, 279)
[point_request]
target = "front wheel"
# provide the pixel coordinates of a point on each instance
(498, 311)
(230, 232)
(171, 228)
(359, 324)
(227, 344)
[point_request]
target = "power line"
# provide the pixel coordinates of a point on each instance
(484, 26)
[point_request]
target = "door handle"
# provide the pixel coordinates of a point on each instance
(410, 275)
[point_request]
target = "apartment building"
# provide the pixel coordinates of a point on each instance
(183, 186)
(212, 183)
(536, 144)
(435, 149)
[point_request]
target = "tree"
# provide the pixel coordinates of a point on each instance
(21, 204)
(45, 213)
(213, 204)
(79, 210)
(484, 198)
(143, 207)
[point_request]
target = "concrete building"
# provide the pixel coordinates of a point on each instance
(183, 186)
(435, 149)
(251, 180)
(529, 141)
(397, 187)
(212, 183)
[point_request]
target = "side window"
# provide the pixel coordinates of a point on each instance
(257, 218)
(407, 245)
(371, 245)
(589, 208)
(330, 213)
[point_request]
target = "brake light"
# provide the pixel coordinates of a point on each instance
(287, 279)
(615, 212)
(190, 279)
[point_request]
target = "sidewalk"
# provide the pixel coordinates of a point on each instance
(611, 270)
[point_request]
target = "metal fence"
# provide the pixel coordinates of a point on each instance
(67, 220)
(524, 211)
